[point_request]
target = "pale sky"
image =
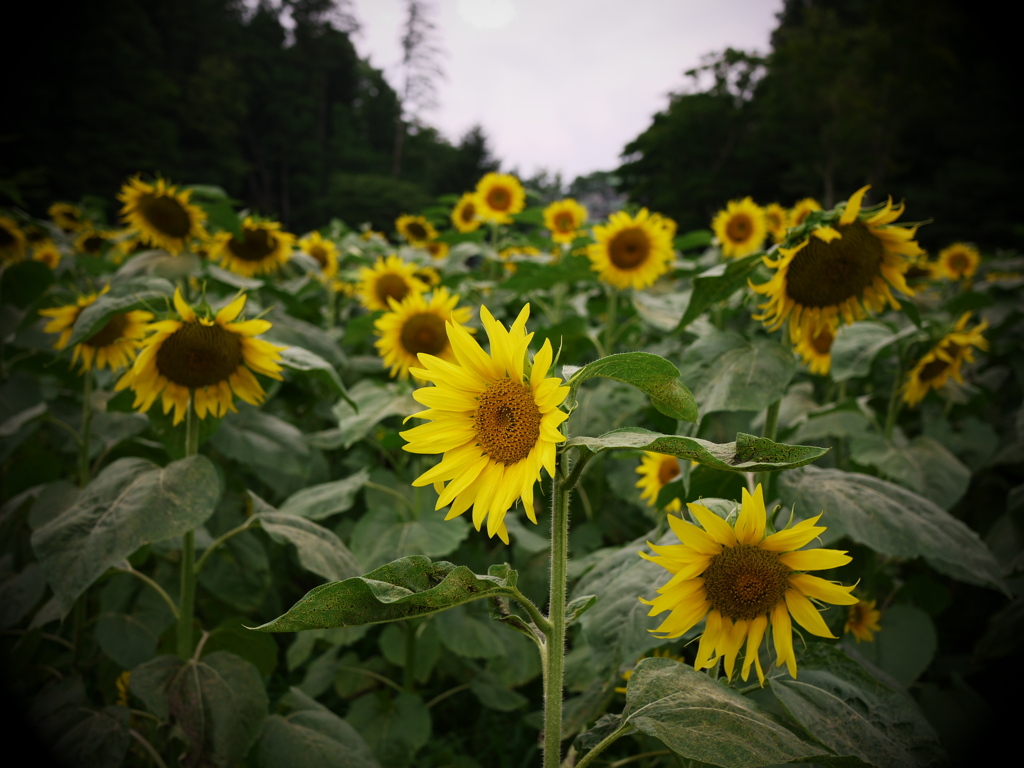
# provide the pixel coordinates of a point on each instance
(562, 84)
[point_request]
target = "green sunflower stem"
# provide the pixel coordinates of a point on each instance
(771, 428)
(83, 446)
(554, 662)
(609, 330)
(894, 402)
(187, 599)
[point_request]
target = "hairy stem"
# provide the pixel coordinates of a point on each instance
(187, 598)
(554, 667)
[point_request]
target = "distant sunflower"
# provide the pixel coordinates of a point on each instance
(47, 253)
(744, 581)
(815, 347)
(113, 346)
(801, 210)
(958, 262)
(92, 242)
(775, 219)
(429, 276)
(862, 620)
(630, 252)
(12, 241)
(203, 359)
(162, 215)
(389, 278)
(839, 271)
(416, 229)
(666, 223)
(740, 228)
(656, 470)
(944, 360)
(324, 252)
(563, 219)
(67, 216)
(466, 213)
(417, 325)
(262, 248)
(498, 196)
(437, 249)
(494, 417)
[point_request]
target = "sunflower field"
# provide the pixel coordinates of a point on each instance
(506, 486)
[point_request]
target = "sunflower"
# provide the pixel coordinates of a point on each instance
(437, 249)
(862, 620)
(564, 218)
(429, 276)
(801, 210)
(741, 228)
(389, 278)
(958, 262)
(630, 252)
(465, 214)
(416, 230)
(92, 242)
(775, 220)
(742, 580)
(417, 325)
(47, 253)
(67, 216)
(666, 223)
(837, 271)
(944, 360)
(498, 196)
(815, 347)
(162, 215)
(656, 470)
(494, 417)
(203, 359)
(262, 248)
(113, 346)
(12, 241)
(324, 252)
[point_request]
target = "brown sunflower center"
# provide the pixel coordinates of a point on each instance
(499, 199)
(92, 244)
(822, 341)
(739, 228)
(319, 253)
(110, 333)
(958, 261)
(165, 214)
(564, 222)
(416, 231)
(468, 213)
(424, 332)
(744, 582)
(668, 470)
(827, 274)
(391, 286)
(774, 221)
(198, 355)
(629, 248)
(507, 421)
(256, 244)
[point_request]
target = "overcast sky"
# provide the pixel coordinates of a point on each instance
(562, 84)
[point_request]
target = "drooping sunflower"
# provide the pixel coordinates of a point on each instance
(740, 228)
(261, 249)
(498, 196)
(417, 325)
(959, 261)
(92, 242)
(944, 360)
(775, 219)
(67, 216)
(113, 346)
(630, 252)
(743, 581)
(12, 241)
(494, 417)
(47, 253)
(815, 347)
(203, 359)
(801, 210)
(862, 620)
(415, 229)
(465, 214)
(845, 266)
(388, 278)
(656, 470)
(162, 215)
(325, 252)
(564, 218)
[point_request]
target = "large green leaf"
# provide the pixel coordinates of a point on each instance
(321, 501)
(258, 439)
(661, 311)
(386, 532)
(539, 277)
(293, 332)
(123, 296)
(218, 703)
(99, 740)
(852, 713)
(892, 521)
(395, 727)
(653, 375)
(700, 719)
(730, 373)
(748, 454)
(310, 363)
(717, 284)
(410, 587)
(374, 402)
(856, 346)
(130, 503)
(312, 739)
(923, 465)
